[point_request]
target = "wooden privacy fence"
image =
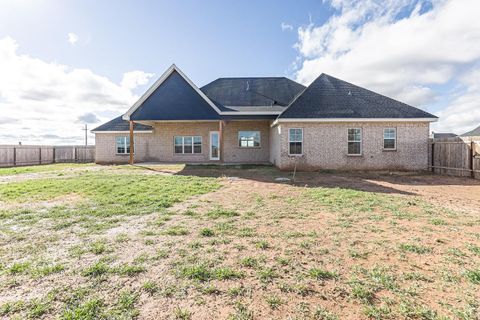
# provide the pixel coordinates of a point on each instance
(455, 157)
(18, 155)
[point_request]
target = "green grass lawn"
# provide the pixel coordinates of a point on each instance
(122, 242)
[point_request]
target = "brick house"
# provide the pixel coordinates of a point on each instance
(331, 124)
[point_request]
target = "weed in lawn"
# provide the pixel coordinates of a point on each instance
(321, 274)
(182, 314)
(273, 301)
(226, 273)
(199, 272)
(97, 269)
(222, 213)
(241, 312)
(414, 248)
(89, 310)
(45, 270)
(284, 261)
(323, 314)
(246, 232)
(37, 308)
(249, 262)
(98, 247)
(127, 269)
(19, 267)
(266, 275)
(207, 232)
(262, 244)
(362, 291)
(474, 249)
(150, 287)
(176, 231)
(473, 276)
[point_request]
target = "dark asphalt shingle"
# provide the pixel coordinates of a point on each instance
(118, 124)
(329, 97)
(252, 92)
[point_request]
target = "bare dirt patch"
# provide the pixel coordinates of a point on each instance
(327, 246)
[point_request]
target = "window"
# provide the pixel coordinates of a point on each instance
(188, 144)
(295, 141)
(123, 145)
(249, 139)
(354, 141)
(390, 138)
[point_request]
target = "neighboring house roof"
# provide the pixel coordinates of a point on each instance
(438, 135)
(255, 93)
(328, 97)
(474, 133)
(118, 124)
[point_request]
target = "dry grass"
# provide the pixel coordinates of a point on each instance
(178, 242)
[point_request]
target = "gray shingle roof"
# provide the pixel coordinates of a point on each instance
(473, 133)
(438, 135)
(118, 124)
(252, 92)
(329, 97)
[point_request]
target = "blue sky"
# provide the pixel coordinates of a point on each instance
(207, 39)
(63, 63)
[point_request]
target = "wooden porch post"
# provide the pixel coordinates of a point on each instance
(131, 143)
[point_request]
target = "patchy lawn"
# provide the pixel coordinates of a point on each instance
(175, 242)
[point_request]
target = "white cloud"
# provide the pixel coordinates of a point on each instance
(407, 58)
(44, 102)
(72, 38)
(286, 27)
(133, 79)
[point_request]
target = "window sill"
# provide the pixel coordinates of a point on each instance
(188, 154)
(389, 150)
(123, 154)
(354, 155)
(249, 148)
(295, 155)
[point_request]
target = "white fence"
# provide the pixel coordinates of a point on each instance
(19, 155)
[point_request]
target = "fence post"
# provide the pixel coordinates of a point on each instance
(75, 154)
(40, 155)
(14, 156)
(433, 157)
(53, 155)
(472, 158)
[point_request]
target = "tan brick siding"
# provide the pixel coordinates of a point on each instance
(235, 154)
(325, 147)
(159, 145)
(105, 147)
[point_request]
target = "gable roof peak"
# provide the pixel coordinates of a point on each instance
(163, 78)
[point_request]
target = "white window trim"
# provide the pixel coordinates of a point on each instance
(294, 154)
(361, 143)
(124, 141)
(247, 147)
(183, 144)
(395, 140)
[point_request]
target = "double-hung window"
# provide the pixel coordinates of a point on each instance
(249, 139)
(389, 139)
(295, 141)
(188, 144)
(354, 142)
(122, 145)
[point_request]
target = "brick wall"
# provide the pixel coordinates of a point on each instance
(159, 145)
(325, 147)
